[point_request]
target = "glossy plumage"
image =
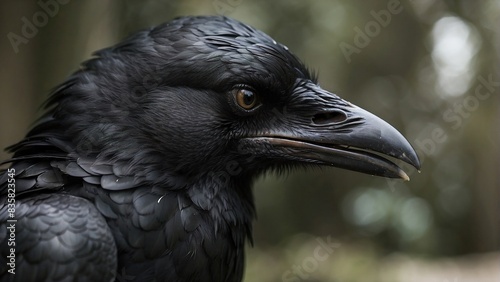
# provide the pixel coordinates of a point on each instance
(142, 167)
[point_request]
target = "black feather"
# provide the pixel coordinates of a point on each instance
(141, 165)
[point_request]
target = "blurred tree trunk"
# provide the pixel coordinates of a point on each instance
(65, 35)
(17, 75)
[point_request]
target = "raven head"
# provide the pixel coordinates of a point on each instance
(202, 95)
(162, 135)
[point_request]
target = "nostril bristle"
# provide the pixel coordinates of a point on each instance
(329, 117)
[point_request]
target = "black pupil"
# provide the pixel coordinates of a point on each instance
(248, 97)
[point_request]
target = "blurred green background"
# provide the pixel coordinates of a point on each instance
(430, 68)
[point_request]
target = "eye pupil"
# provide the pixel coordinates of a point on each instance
(248, 97)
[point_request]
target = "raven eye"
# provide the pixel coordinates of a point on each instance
(246, 98)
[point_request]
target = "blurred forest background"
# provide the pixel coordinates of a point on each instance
(429, 67)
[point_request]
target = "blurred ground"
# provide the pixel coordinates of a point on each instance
(431, 68)
(364, 262)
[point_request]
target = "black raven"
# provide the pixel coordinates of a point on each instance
(141, 168)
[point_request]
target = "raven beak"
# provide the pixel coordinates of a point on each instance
(348, 137)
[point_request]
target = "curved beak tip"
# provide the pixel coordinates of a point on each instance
(413, 160)
(404, 176)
